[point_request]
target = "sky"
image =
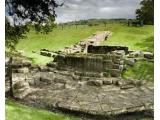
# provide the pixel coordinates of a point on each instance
(87, 9)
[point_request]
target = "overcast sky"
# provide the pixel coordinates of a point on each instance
(86, 9)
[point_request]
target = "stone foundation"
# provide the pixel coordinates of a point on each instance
(112, 64)
(80, 91)
(105, 49)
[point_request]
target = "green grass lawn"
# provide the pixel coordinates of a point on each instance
(16, 111)
(136, 38)
(141, 71)
(55, 40)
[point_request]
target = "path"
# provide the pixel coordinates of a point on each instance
(80, 47)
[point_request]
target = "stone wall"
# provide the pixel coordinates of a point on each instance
(109, 64)
(105, 49)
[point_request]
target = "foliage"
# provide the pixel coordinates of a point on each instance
(15, 111)
(41, 13)
(13, 34)
(97, 21)
(146, 12)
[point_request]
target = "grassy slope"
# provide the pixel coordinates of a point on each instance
(15, 111)
(141, 71)
(136, 38)
(55, 40)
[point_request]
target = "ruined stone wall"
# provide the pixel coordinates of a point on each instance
(109, 64)
(105, 49)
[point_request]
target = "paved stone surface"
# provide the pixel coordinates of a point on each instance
(61, 91)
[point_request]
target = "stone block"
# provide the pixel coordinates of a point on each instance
(116, 66)
(118, 61)
(59, 80)
(52, 64)
(106, 74)
(115, 72)
(127, 86)
(23, 70)
(135, 54)
(119, 52)
(107, 64)
(148, 55)
(95, 83)
(107, 81)
(129, 61)
(30, 81)
(21, 89)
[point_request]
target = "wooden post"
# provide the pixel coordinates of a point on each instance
(10, 77)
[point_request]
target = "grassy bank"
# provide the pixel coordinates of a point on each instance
(136, 38)
(141, 71)
(16, 111)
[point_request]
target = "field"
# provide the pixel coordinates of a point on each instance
(136, 38)
(16, 111)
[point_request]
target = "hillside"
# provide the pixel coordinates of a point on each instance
(136, 38)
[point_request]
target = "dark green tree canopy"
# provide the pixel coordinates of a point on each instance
(39, 12)
(34, 10)
(146, 12)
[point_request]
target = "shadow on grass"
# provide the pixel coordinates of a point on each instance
(147, 44)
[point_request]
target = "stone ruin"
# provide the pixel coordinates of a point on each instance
(88, 83)
(106, 49)
(109, 65)
(80, 47)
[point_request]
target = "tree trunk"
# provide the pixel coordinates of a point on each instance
(10, 77)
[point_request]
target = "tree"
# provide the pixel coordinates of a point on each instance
(40, 12)
(146, 12)
(13, 34)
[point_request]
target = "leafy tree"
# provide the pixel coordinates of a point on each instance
(40, 12)
(146, 12)
(13, 34)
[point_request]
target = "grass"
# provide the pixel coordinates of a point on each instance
(16, 111)
(136, 38)
(55, 40)
(141, 71)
